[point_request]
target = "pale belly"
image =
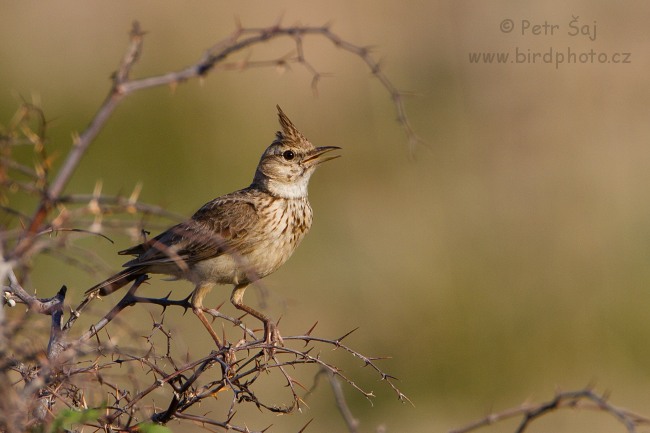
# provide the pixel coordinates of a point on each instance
(276, 244)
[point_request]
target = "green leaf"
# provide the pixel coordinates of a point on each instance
(69, 417)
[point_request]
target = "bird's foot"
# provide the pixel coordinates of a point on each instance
(272, 336)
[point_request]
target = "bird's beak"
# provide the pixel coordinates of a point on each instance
(316, 157)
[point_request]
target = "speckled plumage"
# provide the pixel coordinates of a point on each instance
(240, 237)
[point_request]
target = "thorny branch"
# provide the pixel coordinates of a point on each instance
(241, 366)
(92, 371)
(128, 381)
(582, 399)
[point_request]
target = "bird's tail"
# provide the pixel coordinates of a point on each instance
(116, 282)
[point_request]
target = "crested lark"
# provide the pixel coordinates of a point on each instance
(240, 237)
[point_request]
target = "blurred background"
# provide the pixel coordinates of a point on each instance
(503, 260)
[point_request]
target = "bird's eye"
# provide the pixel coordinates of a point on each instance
(288, 155)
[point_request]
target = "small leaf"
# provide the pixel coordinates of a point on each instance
(68, 417)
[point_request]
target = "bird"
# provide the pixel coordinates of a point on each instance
(237, 238)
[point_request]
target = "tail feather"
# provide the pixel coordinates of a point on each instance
(116, 282)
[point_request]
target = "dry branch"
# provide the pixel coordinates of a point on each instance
(582, 399)
(110, 386)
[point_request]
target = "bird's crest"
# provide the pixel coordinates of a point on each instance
(289, 132)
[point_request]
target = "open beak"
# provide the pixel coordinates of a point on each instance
(316, 157)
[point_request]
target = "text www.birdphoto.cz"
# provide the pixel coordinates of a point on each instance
(553, 56)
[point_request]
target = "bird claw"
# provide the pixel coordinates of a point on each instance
(272, 335)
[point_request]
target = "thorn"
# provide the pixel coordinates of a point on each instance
(97, 191)
(377, 358)
(76, 138)
(376, 68)
(338, 341)
(238, 24)
(304, 403)
(300, 385)
(133, 198)
(606, 394)
(311, 329)
(136, 30)
(305, 426)
(278, 22)
(403, 398)
(366, 50)
(186, 303)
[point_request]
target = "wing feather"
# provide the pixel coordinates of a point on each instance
(220, 226)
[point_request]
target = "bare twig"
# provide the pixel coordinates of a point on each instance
(350, 421)
(581, 399)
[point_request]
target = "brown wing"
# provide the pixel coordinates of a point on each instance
(219, 226)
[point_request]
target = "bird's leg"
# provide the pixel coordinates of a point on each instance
(271, 333)
(204, 320)
(197, 308)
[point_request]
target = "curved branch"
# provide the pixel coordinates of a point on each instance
(239, 40)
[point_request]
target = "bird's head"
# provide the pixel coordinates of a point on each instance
(288, 163)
